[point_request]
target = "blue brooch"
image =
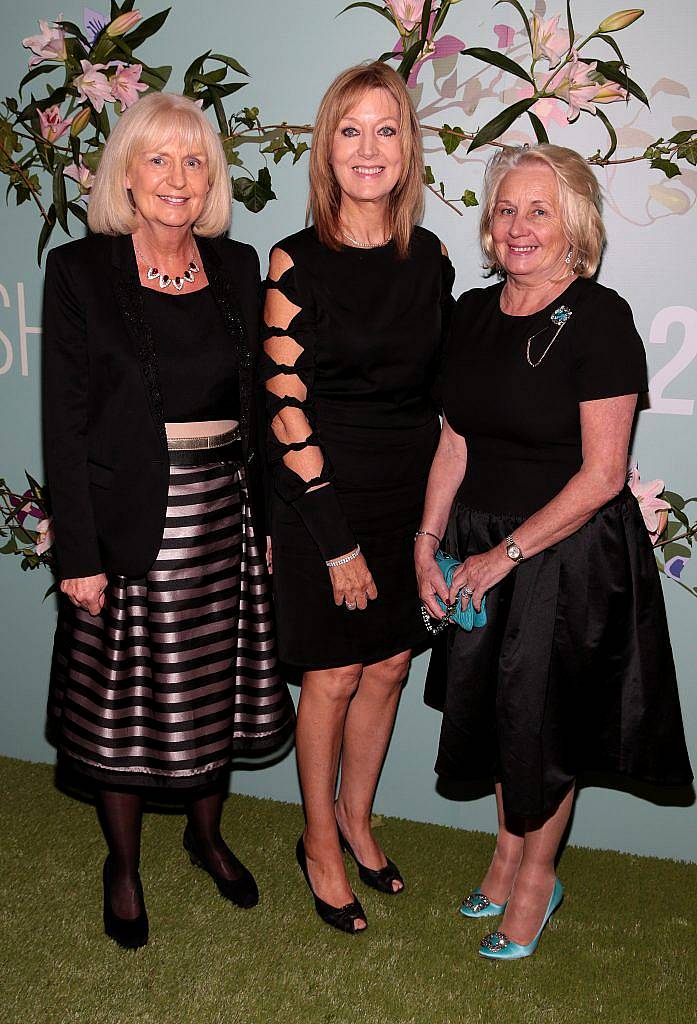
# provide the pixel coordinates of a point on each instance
(560, 316)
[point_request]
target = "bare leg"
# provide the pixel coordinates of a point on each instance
(204, 816)
(535, 879)
(121, 816)
(324, 701)
(498, 881)
(366, 734)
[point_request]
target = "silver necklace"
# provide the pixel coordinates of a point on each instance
(365, 245)
(165, 280)
(560, 318)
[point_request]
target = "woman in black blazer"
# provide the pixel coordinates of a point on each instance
(164, 659)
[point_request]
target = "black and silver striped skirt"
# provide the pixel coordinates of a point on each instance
(179, 671)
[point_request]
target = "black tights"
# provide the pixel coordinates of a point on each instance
(121, 815)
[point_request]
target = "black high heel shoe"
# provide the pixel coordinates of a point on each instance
(377, 878)
(129, 933)
(242, 891)
(343, 918)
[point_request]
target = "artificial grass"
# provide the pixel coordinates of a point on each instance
(620, 950)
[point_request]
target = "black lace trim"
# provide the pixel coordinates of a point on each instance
(229, 306)
(130, 298)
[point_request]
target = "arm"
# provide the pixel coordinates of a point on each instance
(301, 470)
(446, 475)
(605, 429)
(65, 382)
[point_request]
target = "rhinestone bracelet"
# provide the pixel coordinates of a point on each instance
(334, 562)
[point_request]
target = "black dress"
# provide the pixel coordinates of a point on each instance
(574, 670)
(365, 345)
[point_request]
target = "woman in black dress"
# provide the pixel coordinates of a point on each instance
(353, 319)
(574, 670)
(164, 659)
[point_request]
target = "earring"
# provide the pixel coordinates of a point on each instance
(568, 256)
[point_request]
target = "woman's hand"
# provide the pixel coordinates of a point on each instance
(480, 573)
(353, 584)
(86, 592)
(429, 577)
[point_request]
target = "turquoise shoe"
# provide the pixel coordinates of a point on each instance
(479, 905)
(497, 945)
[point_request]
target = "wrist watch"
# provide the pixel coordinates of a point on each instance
(512, 549)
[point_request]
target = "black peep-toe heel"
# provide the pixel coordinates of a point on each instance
(343, 918)
(380, 878)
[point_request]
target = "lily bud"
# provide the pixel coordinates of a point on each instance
(124, 23)
(619, 20)
(80, 122)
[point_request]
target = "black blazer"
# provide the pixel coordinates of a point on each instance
(105, 445)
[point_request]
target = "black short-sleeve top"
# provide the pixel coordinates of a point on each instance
(522, 422)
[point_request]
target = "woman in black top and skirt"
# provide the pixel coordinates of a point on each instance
(164, 659)
(574, 670)
(353, 330)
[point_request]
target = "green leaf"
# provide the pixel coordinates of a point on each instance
(538, 127)
(469, 198)
(231, 63)
(521, 12)
(231, 154)
(194, 69)
(78, 211)
(373, 7)
(610, 130)
(570, 24)
(46, 230)
(53, 589)
(450, 141)
(10, 548)
(146, 28)
(689, 153)
(680, 138)
(42, 69)
(681, 517)
(409, 59)
(73, 29)
(60, 200)
(670, 169)
(428, 175)
(499, 60)
(254, 194)
(156, 78)
(611, 69)
(425, 22)
(671, 550)
(675, 499)
(499, 124)
(611, 42)
(302, 147)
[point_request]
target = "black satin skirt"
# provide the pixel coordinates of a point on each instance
(573, 672)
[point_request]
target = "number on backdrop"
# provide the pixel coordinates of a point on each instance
(663, 321)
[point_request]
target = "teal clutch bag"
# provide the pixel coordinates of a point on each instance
(466, 618)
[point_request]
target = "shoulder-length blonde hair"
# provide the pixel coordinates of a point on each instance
(407, 197)
(150, 123)
(579, 195)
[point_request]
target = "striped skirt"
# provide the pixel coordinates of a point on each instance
(179, 671)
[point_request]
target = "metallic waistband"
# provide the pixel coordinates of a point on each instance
(190, 444)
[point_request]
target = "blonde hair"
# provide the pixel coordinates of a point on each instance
(151, 122)
(407, 197)
(580, 202)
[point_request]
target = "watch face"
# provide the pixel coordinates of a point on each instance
(513, 551)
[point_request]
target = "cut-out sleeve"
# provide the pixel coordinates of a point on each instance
(301, 470)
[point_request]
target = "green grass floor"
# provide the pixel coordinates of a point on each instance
(621, 949)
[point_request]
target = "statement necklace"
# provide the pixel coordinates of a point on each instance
(560, 318)
(365, 245)
(153, 274)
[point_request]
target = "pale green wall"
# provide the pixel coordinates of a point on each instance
(292, 51)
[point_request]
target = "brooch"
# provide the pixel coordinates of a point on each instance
(560, 317)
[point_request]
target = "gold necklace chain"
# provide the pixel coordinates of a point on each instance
(365, 245)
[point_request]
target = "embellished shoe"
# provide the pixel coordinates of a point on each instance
(129, 933)
(377, 878)
(479, 905)
(497, 945)
(242, 891)
(343, 918)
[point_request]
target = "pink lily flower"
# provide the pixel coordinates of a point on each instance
(123, 23)
(81, 174)
(548, 40)
(653, 509)
(51, 123)
(126, 84)
(92, 85)
(444, 46)
(505, 35)
(548, 110)
(48, 45)
(578, 86)
(46, 537)
(407, 13)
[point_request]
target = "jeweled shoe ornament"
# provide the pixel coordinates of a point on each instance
(498, 946)
(477, 904)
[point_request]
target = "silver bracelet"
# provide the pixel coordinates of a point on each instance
(426, 533)
(334, 562)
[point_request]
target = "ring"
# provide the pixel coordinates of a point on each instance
(468, 591)
(351, 607)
